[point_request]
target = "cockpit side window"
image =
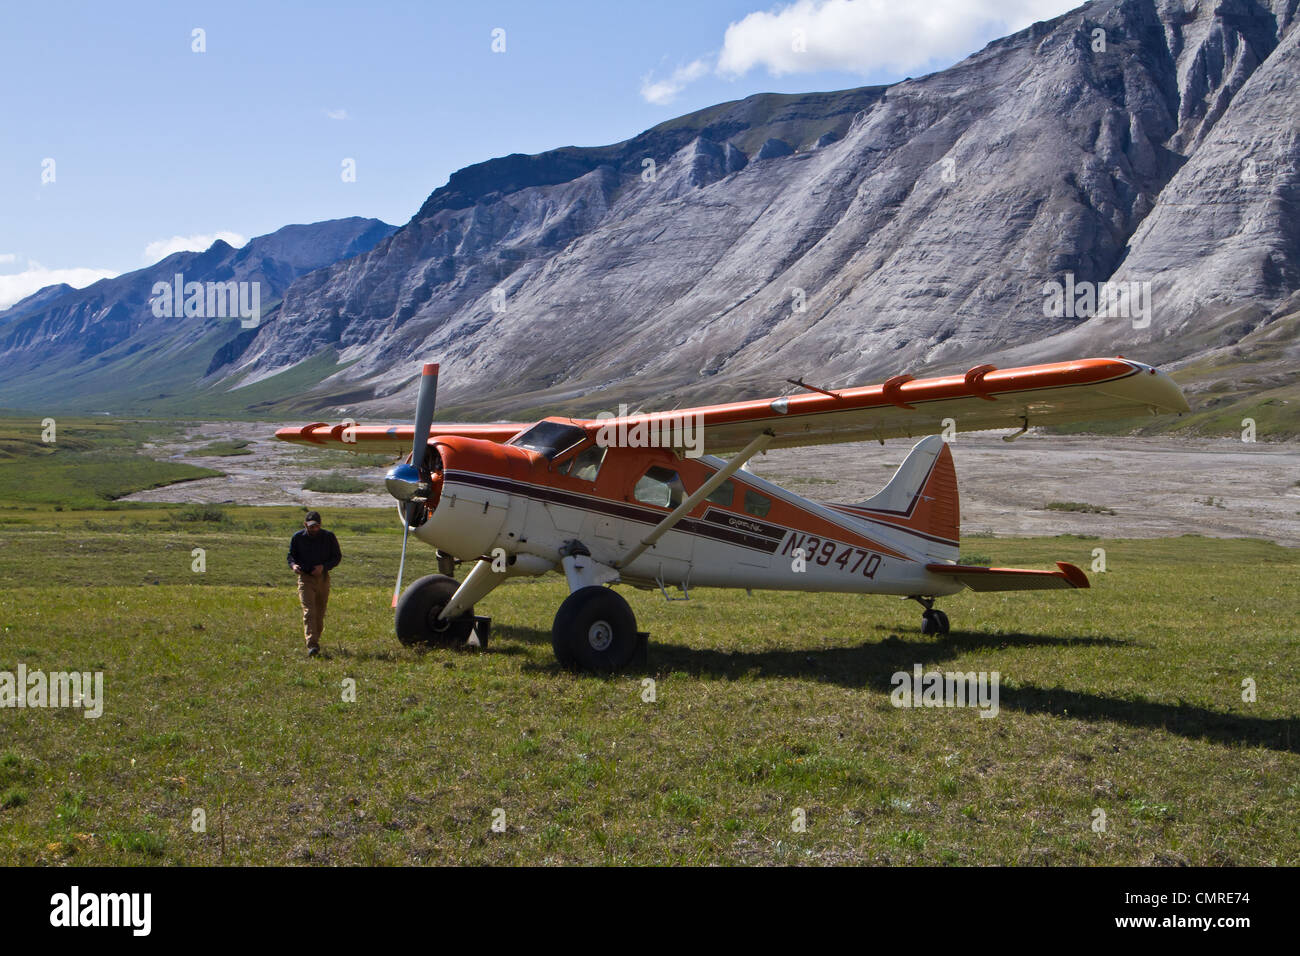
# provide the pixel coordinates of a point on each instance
(661, 487)
(586, 464)
(550, 438)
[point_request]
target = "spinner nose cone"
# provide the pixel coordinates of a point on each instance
(403, 481)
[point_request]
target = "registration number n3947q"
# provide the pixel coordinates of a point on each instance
(825, 552)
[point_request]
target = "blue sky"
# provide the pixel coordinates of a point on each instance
(157, 147)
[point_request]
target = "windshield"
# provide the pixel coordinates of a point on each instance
(550, 438)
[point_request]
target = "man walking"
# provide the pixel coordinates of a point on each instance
(313, 554)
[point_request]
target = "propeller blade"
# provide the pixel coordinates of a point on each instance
(425, 403)
(424, 406)
(401, 567)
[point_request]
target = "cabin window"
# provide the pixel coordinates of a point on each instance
(660, 487)
(723, 495)
(756, 504)
(586, 464)
(550, 438)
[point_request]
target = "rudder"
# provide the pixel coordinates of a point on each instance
(921, 498)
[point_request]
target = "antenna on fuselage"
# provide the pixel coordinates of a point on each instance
(812, 388)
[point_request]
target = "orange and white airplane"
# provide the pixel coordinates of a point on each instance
(632, 499)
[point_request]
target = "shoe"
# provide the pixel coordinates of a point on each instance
(313, 652)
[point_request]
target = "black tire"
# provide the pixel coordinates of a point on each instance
(934, 622)
(595, 630)
(416, 618)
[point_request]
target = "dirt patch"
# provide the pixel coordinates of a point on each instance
(1155, 486)
(272, 475)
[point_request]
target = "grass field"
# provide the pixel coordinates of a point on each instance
(1125, 699)
(82, 463)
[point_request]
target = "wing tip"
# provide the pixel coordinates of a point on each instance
(1074, 575)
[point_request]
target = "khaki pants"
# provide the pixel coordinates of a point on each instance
(314, 593)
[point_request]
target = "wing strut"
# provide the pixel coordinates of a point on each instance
(686, 507)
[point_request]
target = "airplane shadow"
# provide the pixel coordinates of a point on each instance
(872, 665)
(512, 632)
(1185, 720)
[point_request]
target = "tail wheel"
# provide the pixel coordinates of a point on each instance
(416, 619)
(594, 630)
(934, 622)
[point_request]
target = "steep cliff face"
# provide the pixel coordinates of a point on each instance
(1220, 250)
(1225, 232)
(463, 270)
(841, 235)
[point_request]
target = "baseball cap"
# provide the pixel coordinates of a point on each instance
(313, 517)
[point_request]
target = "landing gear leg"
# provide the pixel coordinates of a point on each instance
(594, 629)
(932, 621)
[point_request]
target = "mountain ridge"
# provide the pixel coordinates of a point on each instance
(846, 236)
(61, 343)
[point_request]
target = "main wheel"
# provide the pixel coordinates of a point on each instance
(934, 621)
(417, 613)
(595, 630)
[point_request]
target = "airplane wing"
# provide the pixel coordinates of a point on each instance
(903, 407)
(394, 439)
(983, 398)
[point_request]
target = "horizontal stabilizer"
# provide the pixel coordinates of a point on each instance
(1012, 579)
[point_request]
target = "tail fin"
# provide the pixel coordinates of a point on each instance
(921, 499)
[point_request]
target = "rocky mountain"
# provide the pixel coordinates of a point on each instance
(106, 344)
(1221, 246)
(846, 236)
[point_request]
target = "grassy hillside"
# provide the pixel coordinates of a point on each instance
(166, 384)
(1240, 371)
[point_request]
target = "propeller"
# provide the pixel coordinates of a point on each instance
(405, 481)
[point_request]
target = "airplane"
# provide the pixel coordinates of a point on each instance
(634, 500)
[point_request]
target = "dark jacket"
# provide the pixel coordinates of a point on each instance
(307, 551)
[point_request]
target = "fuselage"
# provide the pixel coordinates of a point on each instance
(749, 533)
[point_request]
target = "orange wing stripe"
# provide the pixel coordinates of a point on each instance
(322, 433)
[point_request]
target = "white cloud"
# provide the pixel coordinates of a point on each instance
(7, 257)
(163, 248)
(20, 285)
(858, 36)
(662, 92)
(337, 114)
